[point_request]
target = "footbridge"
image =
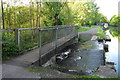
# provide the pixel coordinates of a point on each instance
(49, 41)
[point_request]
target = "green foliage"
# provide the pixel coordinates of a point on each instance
(51, 13)
(100, 33)
(102, 18)
(9, 49)
(115, 32)
(85, 13)
(115, 21)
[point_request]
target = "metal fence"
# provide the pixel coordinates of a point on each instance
(44, 37)
(53, 37)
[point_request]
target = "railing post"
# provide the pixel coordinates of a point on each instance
(17, 38)
(56, 37)
(40, 46)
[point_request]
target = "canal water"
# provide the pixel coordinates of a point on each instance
(114, 53)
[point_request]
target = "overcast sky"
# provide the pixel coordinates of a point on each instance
(108, 7)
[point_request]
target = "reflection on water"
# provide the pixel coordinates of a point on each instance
(112, 55)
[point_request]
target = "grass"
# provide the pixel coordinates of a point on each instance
(81, 29)
(85, 76)
(100, 33)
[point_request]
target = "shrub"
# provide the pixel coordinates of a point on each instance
(9, 49)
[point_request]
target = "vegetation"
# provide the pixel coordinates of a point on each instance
(115, 32)
(9, 50)
(36, 14)
(115, 21)
(100, 33)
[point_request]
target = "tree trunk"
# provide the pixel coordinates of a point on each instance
(2, 15)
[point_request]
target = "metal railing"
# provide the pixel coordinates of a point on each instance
(27, 38)
(51, 38)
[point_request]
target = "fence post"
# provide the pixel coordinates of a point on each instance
(40, 46)
(17, 38)
(56, 37)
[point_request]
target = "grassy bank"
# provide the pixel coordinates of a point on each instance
(100, 33)
(85, 28)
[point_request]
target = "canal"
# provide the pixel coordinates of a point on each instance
(114, 53)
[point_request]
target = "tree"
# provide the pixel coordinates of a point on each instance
(115, 20)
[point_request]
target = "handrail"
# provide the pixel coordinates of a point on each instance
(43, 28)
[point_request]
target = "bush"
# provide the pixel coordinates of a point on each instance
(9, 49)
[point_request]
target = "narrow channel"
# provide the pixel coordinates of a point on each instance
(113, 55)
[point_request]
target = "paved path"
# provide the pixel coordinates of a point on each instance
(11, 71)
(88, 34)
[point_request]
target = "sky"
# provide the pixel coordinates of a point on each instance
(108, 7)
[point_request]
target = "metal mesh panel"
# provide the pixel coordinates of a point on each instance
(28, 39)
(48, 38)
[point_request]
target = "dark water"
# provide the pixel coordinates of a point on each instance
(114, 53)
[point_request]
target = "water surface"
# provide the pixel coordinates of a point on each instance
(114, 54)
